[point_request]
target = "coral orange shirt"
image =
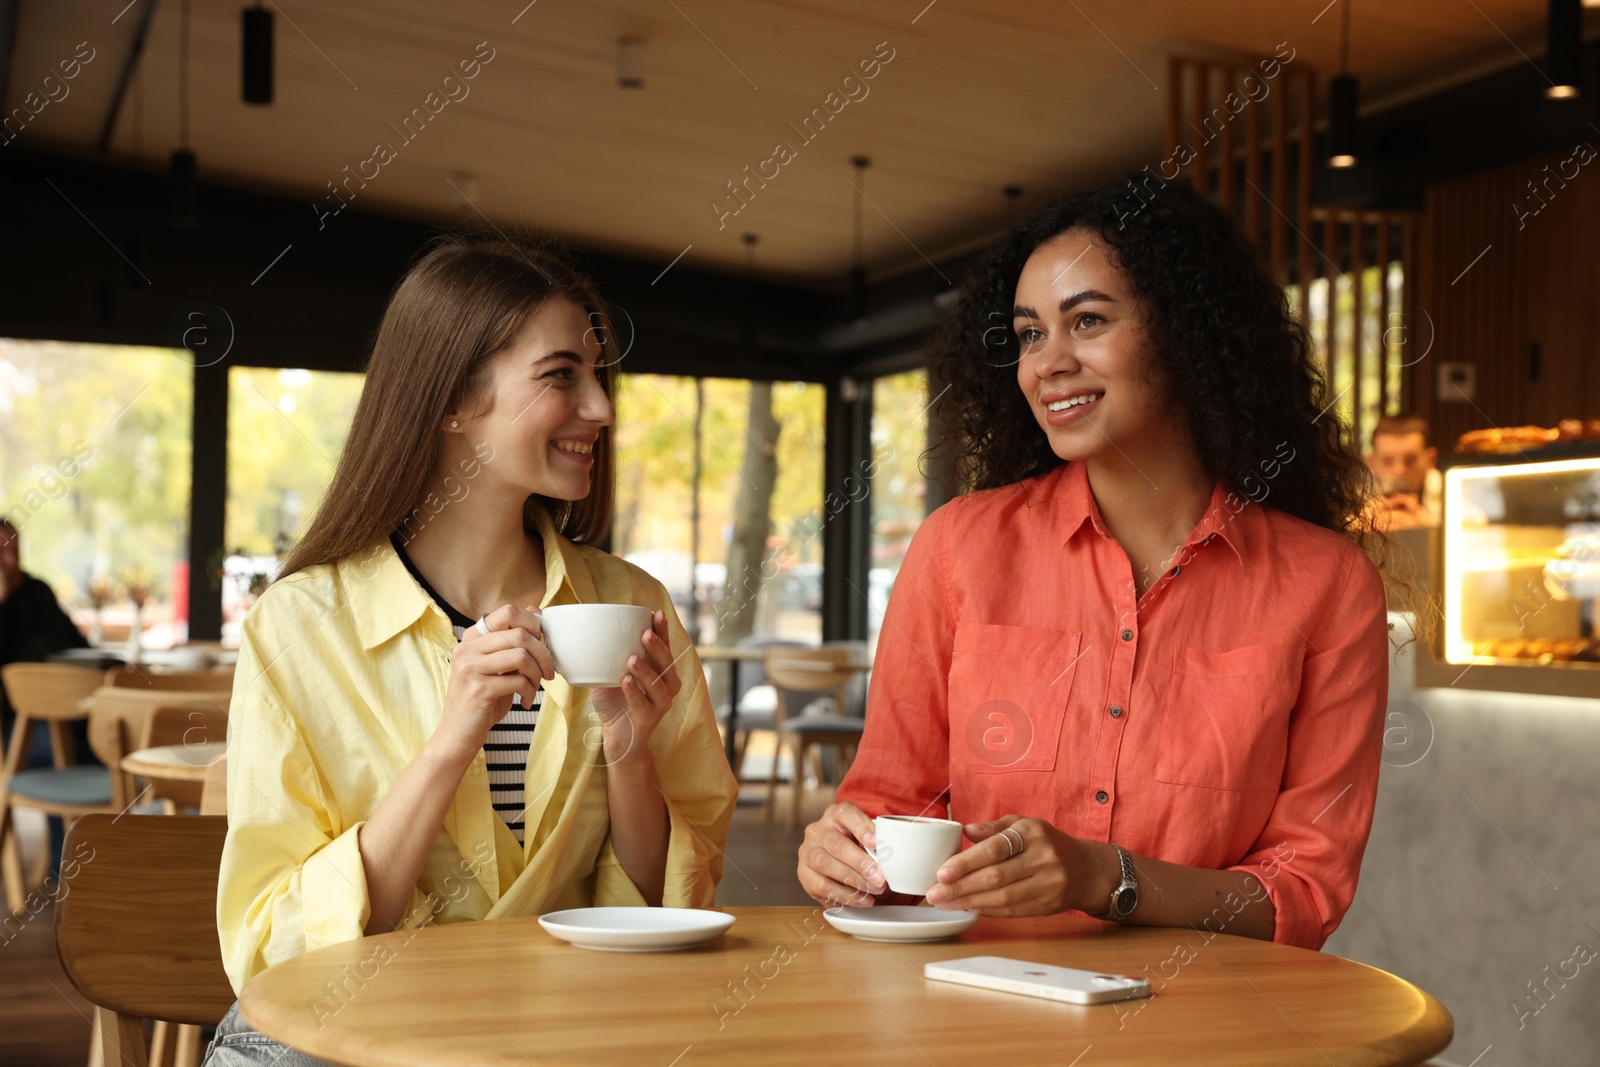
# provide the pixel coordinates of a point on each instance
(1231, 718)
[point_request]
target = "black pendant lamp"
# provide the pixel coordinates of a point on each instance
(183, 188)
(257, 52)
(1343, 99)
(1013, 194)
(1564, 51)
(858, 269)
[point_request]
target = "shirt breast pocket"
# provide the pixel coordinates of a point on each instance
(1225, 723)
(1007, 696)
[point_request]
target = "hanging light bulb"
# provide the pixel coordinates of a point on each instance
(858, 268)
(1564, 49)
(1343, 100)
(1013, 194)
(630, 63)
(183, 187)
(257, 52)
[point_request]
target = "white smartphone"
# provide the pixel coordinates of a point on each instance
(1037, 979)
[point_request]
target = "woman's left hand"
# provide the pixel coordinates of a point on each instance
(1052, 872)
(629, 713)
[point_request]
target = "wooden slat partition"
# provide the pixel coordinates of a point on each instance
(1344, 239)
(1300, 244)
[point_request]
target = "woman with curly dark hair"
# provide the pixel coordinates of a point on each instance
(1145, 662)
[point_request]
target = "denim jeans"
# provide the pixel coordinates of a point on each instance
(237, 1045)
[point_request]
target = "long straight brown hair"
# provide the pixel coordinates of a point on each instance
(461, 302)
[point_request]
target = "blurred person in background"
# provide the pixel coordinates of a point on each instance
(32, 626)
(1403, 464)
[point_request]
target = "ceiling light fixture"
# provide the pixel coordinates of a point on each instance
(630, 63)
(1564, 49)
(1343, 99)
(858, 268)
(183, 190)
(257, 51)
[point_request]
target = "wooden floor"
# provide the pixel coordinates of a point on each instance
(45, 1023)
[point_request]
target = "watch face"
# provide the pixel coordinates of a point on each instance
(1125, 900)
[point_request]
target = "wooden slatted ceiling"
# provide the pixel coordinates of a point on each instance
(978, 96)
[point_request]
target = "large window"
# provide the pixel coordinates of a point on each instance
(94, 473)
(285, 431)
(899, 487)
(775, 590)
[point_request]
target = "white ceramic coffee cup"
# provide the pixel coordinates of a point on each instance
(911, 848)
(591, 643)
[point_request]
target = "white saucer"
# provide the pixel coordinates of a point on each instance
(899, 922)
(636, 929)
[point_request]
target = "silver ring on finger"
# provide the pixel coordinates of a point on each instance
(482, 626)
(1022, 845)
(1011, 850)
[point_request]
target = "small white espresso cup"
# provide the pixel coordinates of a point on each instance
(911, 849)
(591, 643)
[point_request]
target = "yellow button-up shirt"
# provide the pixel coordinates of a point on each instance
(341, 679)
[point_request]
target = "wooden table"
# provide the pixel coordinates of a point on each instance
(783, 987)
(175, 763)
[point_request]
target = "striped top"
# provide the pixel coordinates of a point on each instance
(506, 749)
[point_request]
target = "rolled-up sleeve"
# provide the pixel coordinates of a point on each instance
(1308, 856)
(291, 878)
(699, 789)
(902, 764)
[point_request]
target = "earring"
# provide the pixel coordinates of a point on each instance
(454, 424)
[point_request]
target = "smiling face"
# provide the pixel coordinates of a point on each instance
(544, 407)
(1085, 363)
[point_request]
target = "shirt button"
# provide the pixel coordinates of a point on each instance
(1116, 711)
(1175, 571)
(1102, 796)
(1127, 635)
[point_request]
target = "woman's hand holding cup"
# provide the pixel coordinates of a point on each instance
(629, 713)
(487, 670)
(835, 867)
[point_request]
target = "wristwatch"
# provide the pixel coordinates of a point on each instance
(1125, 897)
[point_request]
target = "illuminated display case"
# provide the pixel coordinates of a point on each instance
(1520, 580)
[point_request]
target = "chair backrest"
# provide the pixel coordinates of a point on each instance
(184, 681)
(49, 691)
(119, 722)
(753, 672)
(800, 675)
(189, 725)
(136, 919)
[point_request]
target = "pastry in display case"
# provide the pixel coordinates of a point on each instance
(1522, 557)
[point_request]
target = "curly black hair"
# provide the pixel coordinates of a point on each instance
(1240, 366)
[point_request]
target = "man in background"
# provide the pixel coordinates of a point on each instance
(32, 624)
(1409, 483)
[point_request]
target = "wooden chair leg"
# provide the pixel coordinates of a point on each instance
(161, 1035)
(186, 1053)
(11, 860)
(97, 1052)
(801, 749)
(740, 744)
(121, 1039)
(772, 778)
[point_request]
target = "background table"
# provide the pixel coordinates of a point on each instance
(175, 763)
(783, 987)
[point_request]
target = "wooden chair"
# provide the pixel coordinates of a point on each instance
(194, 722)
(49, 693)
(137, 932)
(119, 723)
(209, 681)
(214, 791)
(754, 713)
(800, 676)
